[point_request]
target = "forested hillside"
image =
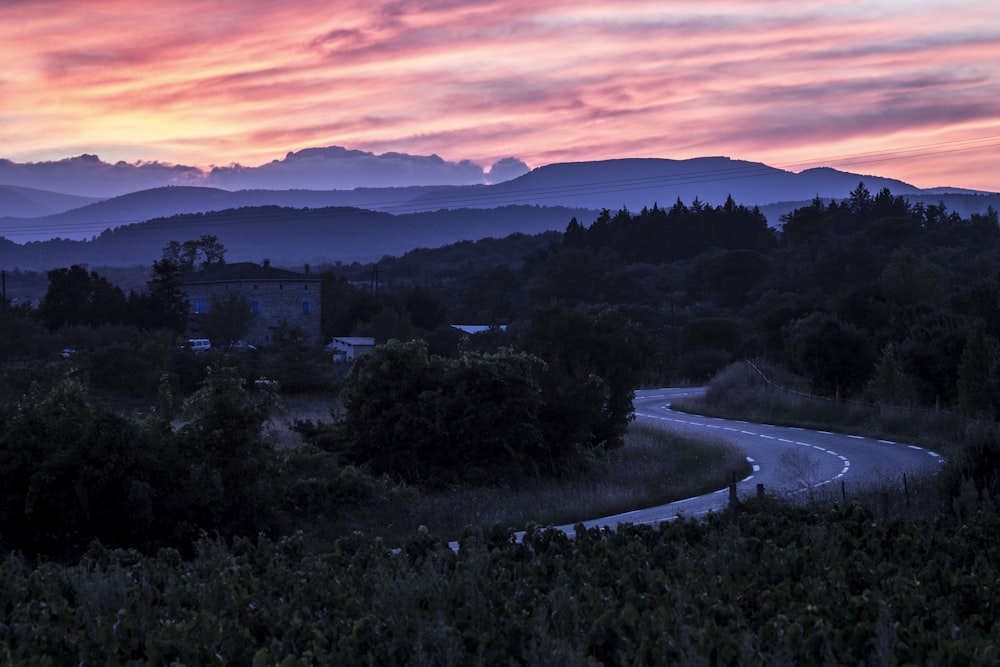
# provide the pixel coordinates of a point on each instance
(839, 288)
(287, 236)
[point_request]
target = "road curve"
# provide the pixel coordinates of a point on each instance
(786, 460)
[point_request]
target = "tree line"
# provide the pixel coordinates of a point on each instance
(841, 292)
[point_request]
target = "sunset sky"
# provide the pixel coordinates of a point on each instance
(902, 88)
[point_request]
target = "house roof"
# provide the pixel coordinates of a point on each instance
(356, 341)
(478, 328)
(245, 271)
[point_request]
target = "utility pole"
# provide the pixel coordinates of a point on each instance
(3, 280)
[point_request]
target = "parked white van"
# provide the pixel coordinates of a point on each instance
(199, 344)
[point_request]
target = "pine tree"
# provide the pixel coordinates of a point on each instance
(890, 385)
(975, 397)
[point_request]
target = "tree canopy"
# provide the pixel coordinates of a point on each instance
(432, 420)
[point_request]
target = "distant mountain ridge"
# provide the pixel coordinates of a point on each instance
(293, 227)
(22, 202)
(614, 184)
(96, 217)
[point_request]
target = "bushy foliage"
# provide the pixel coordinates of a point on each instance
(313, 487)
(890, 385)
(22, 337)
(593, 366)
(293, 360)
(226, 489)
(974, 470)
(164, 303)
(432, 420)
(228, 318)
(977, 373)
(134, 368)
(73, 470)
(706, 345)
(836, 356)
(781, 586)
(76, 296)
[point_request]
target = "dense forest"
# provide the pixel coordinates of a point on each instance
(840, 289)
(126, 458)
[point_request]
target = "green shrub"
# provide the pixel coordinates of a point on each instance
(973, 473)
(432, 420)
(775, 585)
(72, 470)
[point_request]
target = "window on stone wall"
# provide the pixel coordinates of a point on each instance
(305, 308)
(199, 306)
(255, 306)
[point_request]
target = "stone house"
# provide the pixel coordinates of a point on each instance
(274, 295)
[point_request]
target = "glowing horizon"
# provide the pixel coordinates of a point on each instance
(904, 90)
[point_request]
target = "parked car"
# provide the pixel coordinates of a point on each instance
(241, 345)
(199, 344)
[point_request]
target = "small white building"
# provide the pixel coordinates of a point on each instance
(348, 348)
(472, 329)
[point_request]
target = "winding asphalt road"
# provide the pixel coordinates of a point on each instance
(785, 460)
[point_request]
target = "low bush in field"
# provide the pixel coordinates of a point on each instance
(73, 470)
(775, 586)
(971, 477)
(312, 489)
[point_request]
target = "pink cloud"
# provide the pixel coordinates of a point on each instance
(213, 82)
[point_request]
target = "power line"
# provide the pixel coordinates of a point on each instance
(919, 150)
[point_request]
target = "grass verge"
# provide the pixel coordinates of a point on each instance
(654, 467)
(739, 393)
